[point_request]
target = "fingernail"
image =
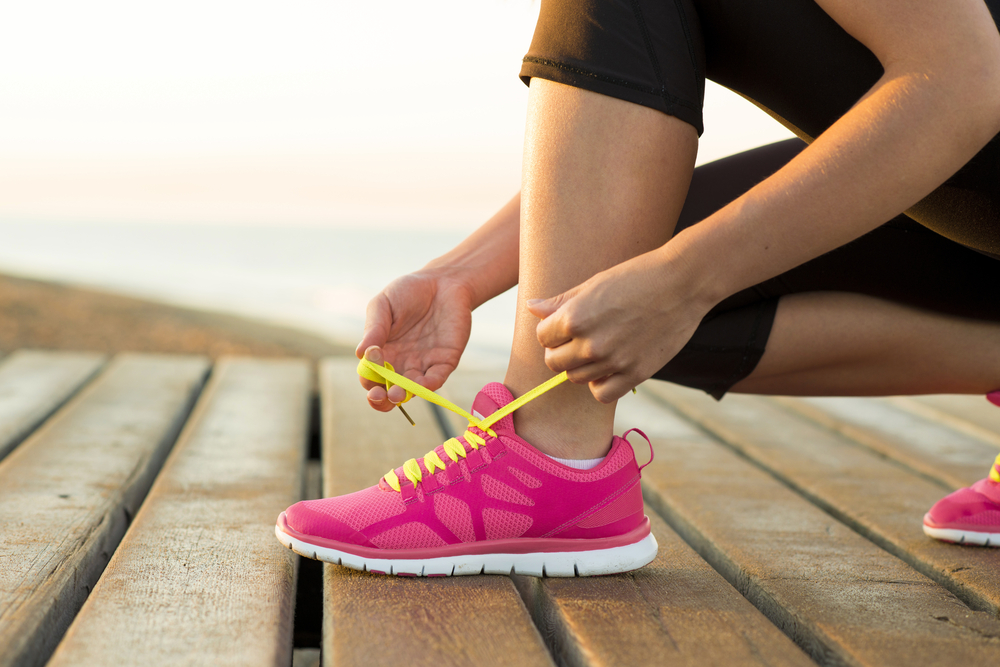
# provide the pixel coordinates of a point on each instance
(532, 302)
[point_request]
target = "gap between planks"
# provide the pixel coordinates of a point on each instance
(67, 494)
(880, 500)
(34, 384)
(200, 572)
(677, 610)
(424, 621)
(836, 594)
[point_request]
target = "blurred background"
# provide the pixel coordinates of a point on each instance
(244, 157)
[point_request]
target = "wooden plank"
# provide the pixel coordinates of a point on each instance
(840, 597)
(200, 574)
(942, 454)
(68, 493)
(382, 620)
(872, 495)
(34, 384)
(677, 610)
(973, 415)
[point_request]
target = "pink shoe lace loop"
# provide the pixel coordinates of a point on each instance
(648, 442)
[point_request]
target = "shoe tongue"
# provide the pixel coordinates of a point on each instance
(493, 397)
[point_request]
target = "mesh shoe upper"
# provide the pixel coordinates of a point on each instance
(505, 489)
(975, 508)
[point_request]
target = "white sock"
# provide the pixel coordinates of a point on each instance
(579, 464)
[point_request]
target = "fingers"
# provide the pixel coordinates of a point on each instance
(378, 321)
(378, 397)
(436, 375)
(374, 355)
(573, 354)
(611, 388)
(542, 308)
(607, 375)
(554, 329)
(589, 362)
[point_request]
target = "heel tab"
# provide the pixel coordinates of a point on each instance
(648, 442)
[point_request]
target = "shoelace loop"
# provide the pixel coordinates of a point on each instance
(385, 374)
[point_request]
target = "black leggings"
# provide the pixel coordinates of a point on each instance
(794, 61)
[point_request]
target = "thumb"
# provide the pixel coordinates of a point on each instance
(542, 308)
(378, 322)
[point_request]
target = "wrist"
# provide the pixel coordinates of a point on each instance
(485, 264)
(684, 263)
(473, 270)
(470, 278)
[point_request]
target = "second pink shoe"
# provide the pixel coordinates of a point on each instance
(970, 515)
(483, 504)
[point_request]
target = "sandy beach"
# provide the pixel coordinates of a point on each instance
(52, 316)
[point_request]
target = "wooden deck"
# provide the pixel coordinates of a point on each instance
(138, 496)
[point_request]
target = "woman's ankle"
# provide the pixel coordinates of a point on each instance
(565, 422)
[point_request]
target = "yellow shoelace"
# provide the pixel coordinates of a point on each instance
(995, 470)
(452, 447)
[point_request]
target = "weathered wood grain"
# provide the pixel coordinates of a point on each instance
(384, 620)
(68, 493)
(881, 500)
(200, 577)
(840, 597)
(35, 384)
(970, 414)
(677, 610)
(940, 453)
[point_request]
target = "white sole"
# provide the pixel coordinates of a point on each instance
(963, 536)
(557, 564)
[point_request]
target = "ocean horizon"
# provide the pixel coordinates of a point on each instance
(313, 278)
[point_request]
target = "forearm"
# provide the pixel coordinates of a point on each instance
(908, 135)
(486, 261)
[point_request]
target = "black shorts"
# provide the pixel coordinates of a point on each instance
(792, 60)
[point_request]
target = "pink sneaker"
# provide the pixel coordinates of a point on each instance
(483, 504)
(970, 515)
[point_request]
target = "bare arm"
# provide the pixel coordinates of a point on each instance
(487, 259)
(935, 107)
(421, 322)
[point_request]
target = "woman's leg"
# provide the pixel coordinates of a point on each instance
(603, 181)
(899, 310)
(839, 344)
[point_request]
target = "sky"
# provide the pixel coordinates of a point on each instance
(301, 112)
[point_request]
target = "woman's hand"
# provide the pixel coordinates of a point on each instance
(622, 325)
(420, 323)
